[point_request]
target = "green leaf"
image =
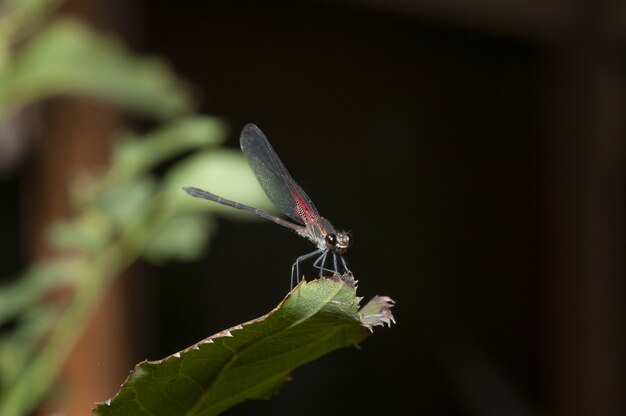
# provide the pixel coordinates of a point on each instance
(136, 155)
(68, 58)
(248, 361)
(19, 17)
(91, 232)
(122, 202)
(27, 7)
(377, 312)
(223, 172)
(180, 238)
(32, 285)
(18, 347)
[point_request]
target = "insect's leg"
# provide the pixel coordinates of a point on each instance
(345, 265)
(335, 268)
(296, 265)
(294, 272)
(323, 257)
(320, 264)
(316, 264)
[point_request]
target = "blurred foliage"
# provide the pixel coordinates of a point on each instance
(65, 57)
(122, 214)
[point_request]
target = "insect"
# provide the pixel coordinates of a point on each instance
(289, 198)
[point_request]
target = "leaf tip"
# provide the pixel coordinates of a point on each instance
(377, 312)
(348, 279)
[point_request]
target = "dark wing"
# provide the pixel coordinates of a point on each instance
(273, 177)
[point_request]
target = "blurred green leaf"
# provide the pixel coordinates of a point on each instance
(123, 202)
(136, 155)
(90, 232)
(27, 9)
(251, 360)
(32, 285)
(19, 17)
(179, 238)
(68, 58)
(17, 348)
(223, 172)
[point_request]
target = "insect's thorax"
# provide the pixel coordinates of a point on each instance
(322, 233)
(317, 230)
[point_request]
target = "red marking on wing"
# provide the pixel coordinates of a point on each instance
(302, 207)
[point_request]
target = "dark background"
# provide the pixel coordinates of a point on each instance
(432, 142)
(419, 140)
(474, 150)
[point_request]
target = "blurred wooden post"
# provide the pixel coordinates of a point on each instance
(77, 138)
(581, 221)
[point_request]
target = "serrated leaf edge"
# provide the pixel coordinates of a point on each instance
(347, 280)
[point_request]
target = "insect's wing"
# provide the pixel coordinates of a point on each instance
(273, 177)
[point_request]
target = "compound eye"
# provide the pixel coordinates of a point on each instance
(348, 239)
(331, 239)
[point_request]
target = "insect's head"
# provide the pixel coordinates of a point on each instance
(339, 241)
